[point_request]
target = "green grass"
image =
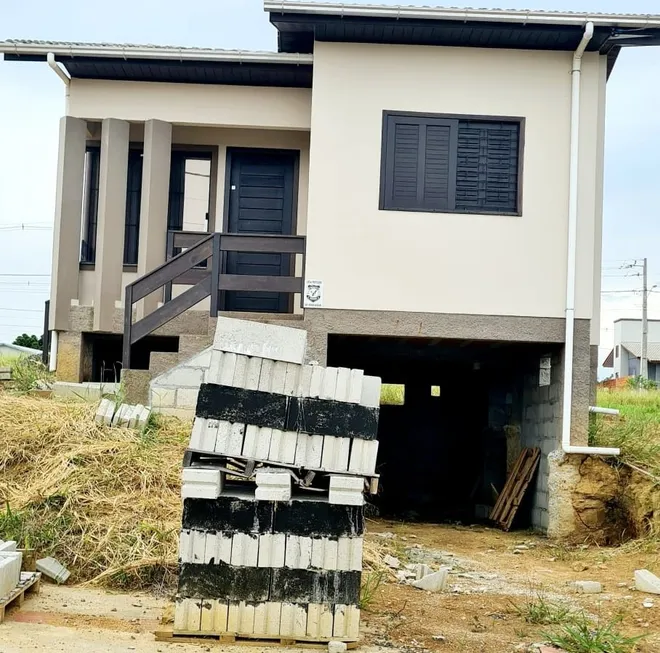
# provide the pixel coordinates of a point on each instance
(583, 635)
(370, 583)
(636, 431)
(538, 610)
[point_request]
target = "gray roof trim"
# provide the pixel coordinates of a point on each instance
(132, 51)
(468, 14)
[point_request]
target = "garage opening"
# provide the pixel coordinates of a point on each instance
(454, 417)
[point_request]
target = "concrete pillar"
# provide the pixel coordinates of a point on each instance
(111, 219)
(154, 203)
(68, 217)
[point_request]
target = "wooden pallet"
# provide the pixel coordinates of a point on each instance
(509, 500)
(241, 640)
(30, 582)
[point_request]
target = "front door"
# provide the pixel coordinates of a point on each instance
(261, 201)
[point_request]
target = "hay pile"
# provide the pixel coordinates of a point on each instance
(104, 501)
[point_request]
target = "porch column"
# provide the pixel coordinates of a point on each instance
(68, 217)
(154, 204)
(111, 219)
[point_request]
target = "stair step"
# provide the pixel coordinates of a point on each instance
(161, 361)
(189, 345)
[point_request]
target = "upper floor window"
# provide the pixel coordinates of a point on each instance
(451, 164)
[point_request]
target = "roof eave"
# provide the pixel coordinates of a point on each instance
(452, 13)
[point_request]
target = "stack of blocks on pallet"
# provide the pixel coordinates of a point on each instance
(272, 556)
(10, 567)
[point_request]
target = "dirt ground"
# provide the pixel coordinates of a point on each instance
(476, 614)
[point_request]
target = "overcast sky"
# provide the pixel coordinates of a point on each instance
(32, 101)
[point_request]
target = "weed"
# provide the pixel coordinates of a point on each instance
(582, 635)
(27, 372)
(370, 583)
(539, 610)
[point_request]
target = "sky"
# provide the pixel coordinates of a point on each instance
(32, 101)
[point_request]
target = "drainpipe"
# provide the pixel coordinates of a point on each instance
(61, 73)
(576, 72)
(52, 359)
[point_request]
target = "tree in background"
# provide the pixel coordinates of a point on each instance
(33, 342)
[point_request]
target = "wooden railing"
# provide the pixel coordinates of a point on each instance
(202, 266)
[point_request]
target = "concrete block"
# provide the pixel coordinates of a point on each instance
(337, 647)
(240, 372)
(346, 483)
(298, 552)
(214, 616)
(53, 569)
(263, 340)
(233, 617)
(187, 615)
(198, 546)
(645, 581)
(329, 385)
(134, 418)
(309, 450)
(245, 550)
(271, 549)
(330, 554)
(218, 548)
(119, 415)
(355, 386)
(210, 435)
(183, 377)
(349, 554)
(193, 491)
(263, 443)
(265, 377)
(587, 587)
(202, 476)
(283, 446)
(316, 382)
(227, 369)
(101, 411)
(212, 374)
(318, 552)
(222, 437)
(253, 373)
(305, 383)
(110, 413)
(186, 397)
(292, 379)
(10, 571)
(363, 456)
(434, 582)
(346, 498)
(250, 441)
(278, 377)
(286, 620)
(144, 417)
(343, 381)
(185, 545)
(335, 453)
(300, 621)
(273, 485)
(7, 546)
(370, 391)
(319, 621)
(246, 619)
(339, 628)
(273, 618)
(235, 442)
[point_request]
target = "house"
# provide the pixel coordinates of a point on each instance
(624, 358)
(7, 350)
(420, 189)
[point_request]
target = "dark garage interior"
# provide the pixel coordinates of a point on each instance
(445, 458)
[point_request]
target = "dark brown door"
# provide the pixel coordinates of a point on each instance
(261, 201)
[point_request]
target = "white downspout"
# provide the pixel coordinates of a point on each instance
(576, 72)
(52, 358)
(61, 73)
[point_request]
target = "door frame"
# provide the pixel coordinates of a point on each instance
(295, 154)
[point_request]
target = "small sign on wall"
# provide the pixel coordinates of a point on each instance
(545, 371)
(313, 294)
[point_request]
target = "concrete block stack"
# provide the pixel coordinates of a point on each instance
(279, 457)
(10, 567)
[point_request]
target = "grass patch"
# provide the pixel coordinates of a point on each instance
(636, 431)
(582, 635)
(370, 583)
(538, 610)
(104, 501)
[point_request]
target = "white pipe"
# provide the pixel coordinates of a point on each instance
(52, 360)
(59, 71)
(573, 179)
(603, 411)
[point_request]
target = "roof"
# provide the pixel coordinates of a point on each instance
(652, 350)
(300, 23)
(609, 361)
(21, 350)
(133, 62)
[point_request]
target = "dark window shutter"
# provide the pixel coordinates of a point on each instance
(177, 191)
(439, 174)
(88, 248)
(405, 165)
(487, 167)
(133, 199)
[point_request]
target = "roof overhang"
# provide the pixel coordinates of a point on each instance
(168, 64)
(301, 23)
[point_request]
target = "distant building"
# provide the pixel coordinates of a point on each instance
(627, 351)
(8, 350)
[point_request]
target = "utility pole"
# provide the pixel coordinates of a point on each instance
(644, 361)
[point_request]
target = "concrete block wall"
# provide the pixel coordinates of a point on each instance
(541, 427)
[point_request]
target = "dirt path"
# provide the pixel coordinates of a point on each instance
(475, 615)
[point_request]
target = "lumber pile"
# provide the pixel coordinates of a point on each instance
(273, 487)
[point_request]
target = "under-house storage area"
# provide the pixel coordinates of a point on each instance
(455, 416)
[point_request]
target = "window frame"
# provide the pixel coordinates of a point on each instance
(385, 191)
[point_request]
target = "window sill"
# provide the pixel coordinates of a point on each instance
(511, 214)
(92, 267)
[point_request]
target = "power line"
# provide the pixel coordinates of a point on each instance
(7, 274)
(22, 310)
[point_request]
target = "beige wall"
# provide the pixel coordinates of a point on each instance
(449, 263)
(191, 104)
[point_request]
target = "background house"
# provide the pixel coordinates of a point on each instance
(624, 358)
(7, 350)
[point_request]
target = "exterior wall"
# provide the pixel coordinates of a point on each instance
(191, 104)
(433, 262)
